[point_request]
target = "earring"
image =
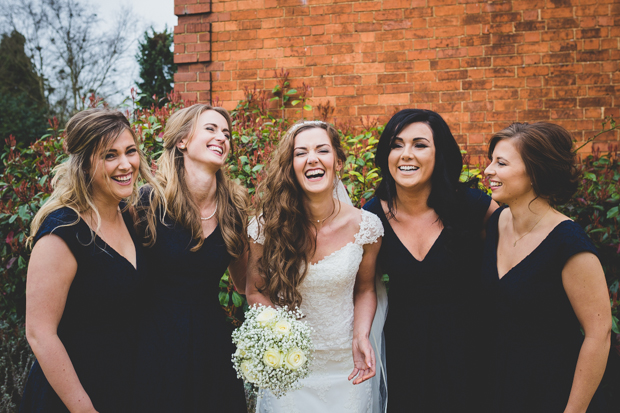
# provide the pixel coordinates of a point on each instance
(182, 146)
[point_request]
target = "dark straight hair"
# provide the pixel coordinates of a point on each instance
(445, 185)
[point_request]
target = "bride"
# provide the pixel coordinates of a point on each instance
(318, 253)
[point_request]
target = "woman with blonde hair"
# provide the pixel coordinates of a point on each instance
(316, 252)
(87, 272)
(184, 364)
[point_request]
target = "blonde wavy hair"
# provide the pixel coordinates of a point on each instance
(232, 199)
(89, 135)
(289, 243)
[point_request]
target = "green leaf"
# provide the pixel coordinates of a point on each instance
(237, 299)
(613, 212)
(307, 107)
(224, 298)
(257, 168)
(614, 325)
(291, 91)
(295, 102)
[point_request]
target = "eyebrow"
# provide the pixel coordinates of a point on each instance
(318, 146)
(414, 139)
(128, 146)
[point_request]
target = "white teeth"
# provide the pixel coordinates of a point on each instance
(408, 168)
(315, 172)
(495, 184)
(216, 149)
(124, 178)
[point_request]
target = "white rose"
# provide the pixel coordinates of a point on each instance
(283, 327)
(273, 357)
(247, 372)
(267, 316)
(295, 359)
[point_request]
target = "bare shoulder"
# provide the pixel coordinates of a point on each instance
(351, 216)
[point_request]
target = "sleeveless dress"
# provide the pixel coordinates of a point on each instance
(185, 363)
(327, 292)
(433, 331)
(537, 334)
(97, 326)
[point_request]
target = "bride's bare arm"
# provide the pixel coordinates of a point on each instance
(365, 301)
(254, 280)
(238, 272)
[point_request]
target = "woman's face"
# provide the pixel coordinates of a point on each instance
(507, 175)
(315, 161)
(115, 172)
(210, 144)
(412, 157)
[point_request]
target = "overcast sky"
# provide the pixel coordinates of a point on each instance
(156, 13)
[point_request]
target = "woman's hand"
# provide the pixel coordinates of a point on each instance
(363, 359)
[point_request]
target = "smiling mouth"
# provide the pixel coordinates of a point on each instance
(494, 184)
(216, 149)
(408, 168)
(123, 179)
(315, 174)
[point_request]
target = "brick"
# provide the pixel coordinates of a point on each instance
(598, 101)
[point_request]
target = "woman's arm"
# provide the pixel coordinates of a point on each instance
(585, 286)
(238, 270)
(51, 271)
(365, 301)
(254, 279)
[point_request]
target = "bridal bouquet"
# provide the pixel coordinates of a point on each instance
(274, 349)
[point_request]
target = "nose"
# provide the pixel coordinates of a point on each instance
(312, 157)
(489, 171)
(124, 163)
(407, 152)
(220, 136)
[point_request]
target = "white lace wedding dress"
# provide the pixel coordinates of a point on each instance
(327, 293)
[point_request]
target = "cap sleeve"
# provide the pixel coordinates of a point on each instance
(574, 241)
(254, 231)
(61, 222)
(370, 229)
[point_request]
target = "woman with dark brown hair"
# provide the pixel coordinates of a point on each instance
(194, 232)
(316, 252)
(544, 279)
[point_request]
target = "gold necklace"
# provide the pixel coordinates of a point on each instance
(318, 221)
(519, 239)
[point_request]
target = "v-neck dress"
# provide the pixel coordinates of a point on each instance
(537, 334)
(99, 321)
(185, 340)
(432, 323)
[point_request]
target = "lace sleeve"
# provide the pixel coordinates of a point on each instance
(370, 229)
(254, 231)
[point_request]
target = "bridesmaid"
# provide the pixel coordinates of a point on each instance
(431, 251)
(543, 276)
(86, 273)
(195, 231)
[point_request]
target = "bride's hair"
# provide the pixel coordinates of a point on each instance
(290, 236)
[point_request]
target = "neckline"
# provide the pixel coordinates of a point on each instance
(131, 235)
(387, 221)
(313, 264)
(528, 255)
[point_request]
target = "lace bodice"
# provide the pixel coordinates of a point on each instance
(327, 289)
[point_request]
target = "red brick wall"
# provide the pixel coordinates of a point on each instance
(481, 65)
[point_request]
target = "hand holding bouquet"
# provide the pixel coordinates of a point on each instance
(274, 349)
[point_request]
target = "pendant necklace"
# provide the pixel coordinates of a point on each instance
(543, 215)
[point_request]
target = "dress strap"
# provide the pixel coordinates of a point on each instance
(371, 229)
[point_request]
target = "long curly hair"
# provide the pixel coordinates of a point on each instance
(232, 199)
(290, 236)
(89, 134)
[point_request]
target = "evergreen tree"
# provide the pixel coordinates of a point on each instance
(157, 67)
(23, 109)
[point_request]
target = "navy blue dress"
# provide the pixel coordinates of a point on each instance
(433, 322)
(99, 321)
(185, 352)
(537, 334)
